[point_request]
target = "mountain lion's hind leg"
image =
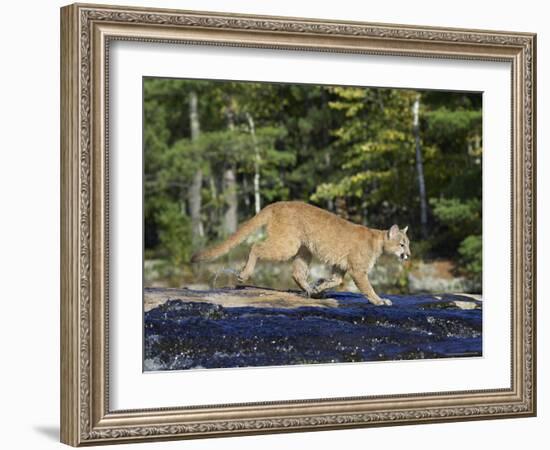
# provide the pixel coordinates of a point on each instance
(334, 281)
(300, 269)
(276, 248)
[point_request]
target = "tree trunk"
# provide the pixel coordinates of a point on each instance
(245, 191)
(325, 136)
(257, 161)
(194, 193)
(229, 184)
(420, 172)
(231, 200)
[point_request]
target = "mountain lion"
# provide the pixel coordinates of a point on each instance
(297, 230)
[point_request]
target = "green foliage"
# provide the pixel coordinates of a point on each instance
(461, 228)
(175, 234)
(450, 128)
(422, 248)
(375, 153)
(470, 250)
(460, 216)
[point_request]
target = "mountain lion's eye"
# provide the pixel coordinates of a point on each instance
(402, 245)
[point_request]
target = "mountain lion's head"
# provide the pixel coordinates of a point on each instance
(397, 243)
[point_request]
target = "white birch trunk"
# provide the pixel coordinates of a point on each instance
(194, 193)
(257, 162)
(420, 170)
(229, 183)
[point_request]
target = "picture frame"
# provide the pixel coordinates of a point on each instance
(87, 31)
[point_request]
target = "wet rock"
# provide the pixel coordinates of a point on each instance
(186, 329)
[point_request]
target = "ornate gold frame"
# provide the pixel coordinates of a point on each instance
(86, 31)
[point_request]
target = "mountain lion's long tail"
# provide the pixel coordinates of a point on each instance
(246, 229)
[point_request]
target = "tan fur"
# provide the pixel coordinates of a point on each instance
(298, 231)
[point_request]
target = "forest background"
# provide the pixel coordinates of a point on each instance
(216, 152)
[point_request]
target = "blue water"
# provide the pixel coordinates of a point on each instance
(186, 335)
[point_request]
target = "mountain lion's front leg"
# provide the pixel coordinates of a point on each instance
(300, 269)
(361, 280)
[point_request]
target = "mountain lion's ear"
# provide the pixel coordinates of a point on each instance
(405, 229)
(393, 231)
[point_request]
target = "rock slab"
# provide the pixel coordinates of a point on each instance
(251, 327)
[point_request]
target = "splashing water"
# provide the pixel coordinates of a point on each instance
(185, 334)
(223, 271)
